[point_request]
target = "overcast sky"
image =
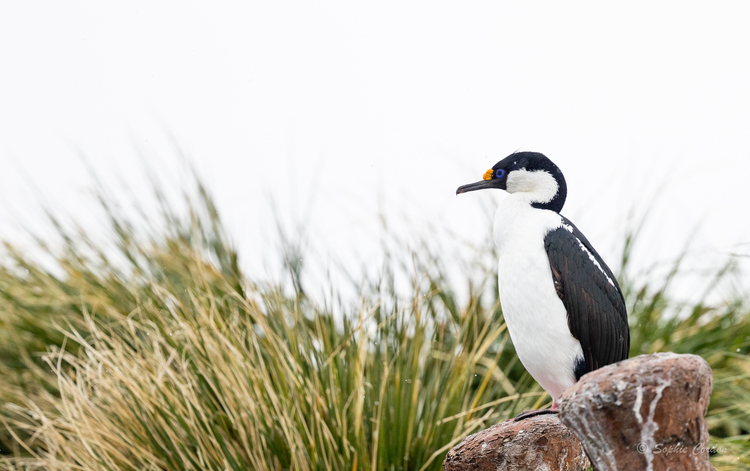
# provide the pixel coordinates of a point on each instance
(339, 109)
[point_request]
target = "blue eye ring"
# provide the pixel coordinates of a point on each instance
(499, 173)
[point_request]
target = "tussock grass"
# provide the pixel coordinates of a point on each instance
(156, 353)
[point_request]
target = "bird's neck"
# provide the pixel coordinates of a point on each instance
(517, 222)
(556, 204)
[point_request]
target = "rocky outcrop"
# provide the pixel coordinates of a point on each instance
(540, 442)
(643, 413)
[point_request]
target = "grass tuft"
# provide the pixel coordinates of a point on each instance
(153, 351)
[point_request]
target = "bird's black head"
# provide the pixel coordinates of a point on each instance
(526, 172)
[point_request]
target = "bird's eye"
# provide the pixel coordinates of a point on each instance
(499, 173)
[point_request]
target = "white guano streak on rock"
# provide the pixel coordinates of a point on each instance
(606, 454)
(638, 402)
(649, 428)
(605, 457)
(620, 385)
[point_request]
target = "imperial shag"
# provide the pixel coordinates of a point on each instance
(563, 307)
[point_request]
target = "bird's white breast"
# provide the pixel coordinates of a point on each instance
(535, 315)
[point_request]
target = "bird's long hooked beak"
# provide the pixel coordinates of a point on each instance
(476, 186)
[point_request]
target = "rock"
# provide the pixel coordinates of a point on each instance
(643, 413)
(536, 443)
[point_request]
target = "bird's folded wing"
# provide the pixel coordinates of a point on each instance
(596, 308)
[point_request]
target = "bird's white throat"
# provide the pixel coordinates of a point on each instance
(539, 185)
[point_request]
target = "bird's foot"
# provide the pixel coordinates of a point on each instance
(534, 413)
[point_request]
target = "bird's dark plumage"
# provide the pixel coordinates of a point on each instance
(596, 308)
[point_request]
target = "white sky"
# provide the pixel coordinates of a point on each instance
(340, 108)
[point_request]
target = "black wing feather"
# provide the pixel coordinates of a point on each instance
(596, 308)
